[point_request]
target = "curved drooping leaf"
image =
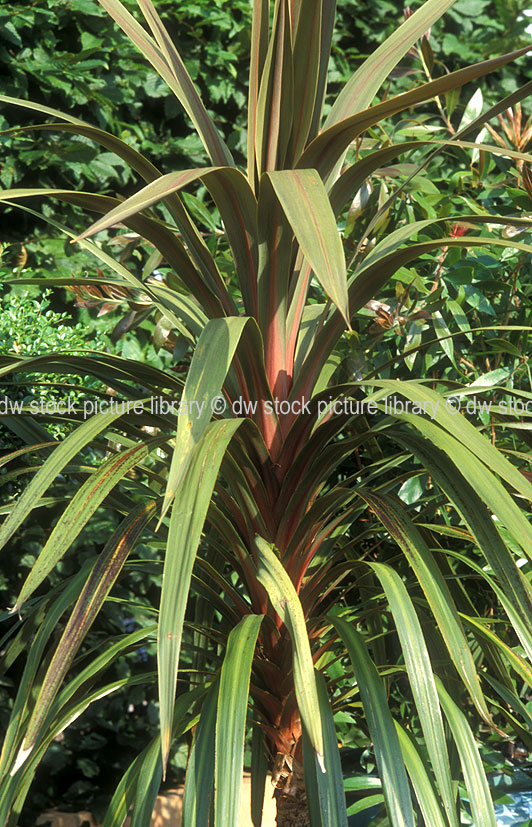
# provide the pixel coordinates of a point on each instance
(421, 677)
(96, 589)
(474, 775)
(381, 726)
(328, 147)
(346, 186)
(170, 183)
(284, 598)
(463, 430)
(448, 472)
(78, 512)
(184, 532)
(360, 89)
(65, 451)
(208, 285)
(231, 719)
(134, 159)
(326, 788)
(404, 532)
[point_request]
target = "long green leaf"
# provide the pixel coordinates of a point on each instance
(231, 719)
(96, 589)
(168, 64)
(306, 50)
(381, 727)
(139, 785)
(421, 679)
(447, 471)
(325, 150)
(422, 783)
(203, 385)
(37, 627)
(259, 47)
(352, 179)
(200, 771)
(361, 88)
(396, 521)
(186, 524)
(463, 430)
(152, 193)
(307, 207)
(275, 103)
(71, 445)
(208, 288)
(284, 598)
(474, 775)
(134, 159)
(328, 787)
(78, 512)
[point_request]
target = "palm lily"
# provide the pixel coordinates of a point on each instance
(287, 468)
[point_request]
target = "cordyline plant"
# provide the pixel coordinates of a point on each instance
(314, 588)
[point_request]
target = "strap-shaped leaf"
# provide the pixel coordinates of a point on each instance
(110, 142)
(38, 627)
(328, 14)
(307, 44)
(361, 88)
(260, 22)
(421, 781)
(186, 524)
(448, 472)
(205, 287)
(259, 770)
(60, 456)
(472, 769)
(326, 788)
(328, 147)
(78, 512)
(275, 260)
(200, 771)
(96, 589)
(307, 207)
(381, 726)
(231, 719)
(168, 64)
(463, 430)
(352, 179)
(156, 191)
(285, 601)
(397, 522)
(275, 104)
(139, 785)
(421, 679)
(203, 385)
(370, 279)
